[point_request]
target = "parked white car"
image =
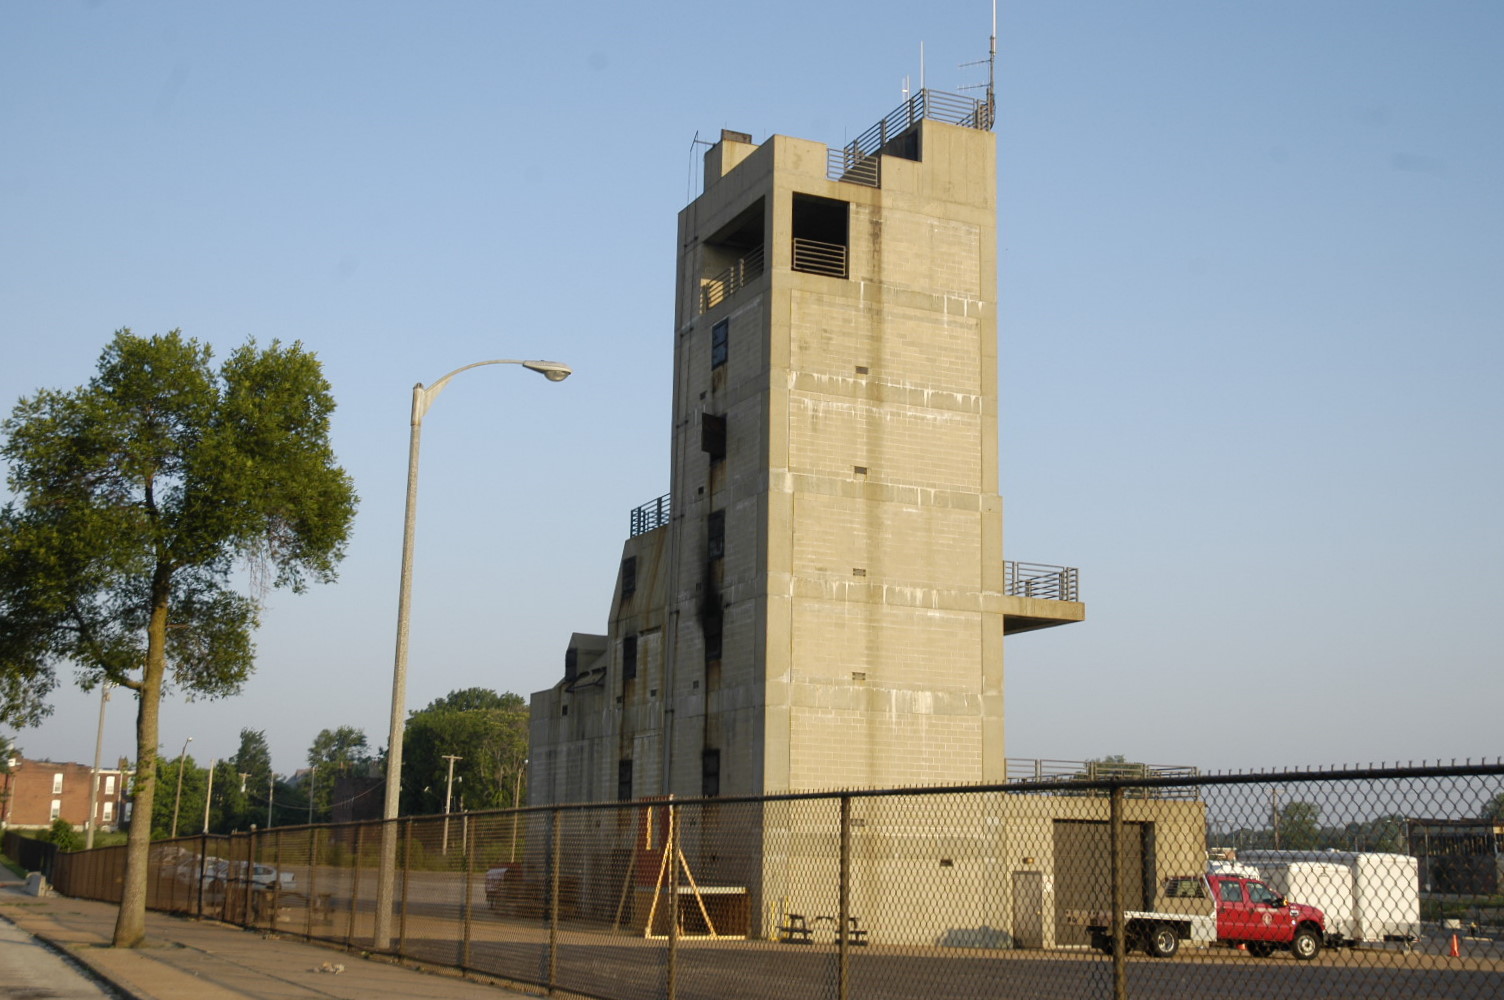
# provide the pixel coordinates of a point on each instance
(262, 876)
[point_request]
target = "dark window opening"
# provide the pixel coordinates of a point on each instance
(720, 336)
(710, 774)
(571, 663)
(713, 435)
(821, 235)
(628, 577)
(715, 535)
(624, 780)
(712, 638)
(629, 657)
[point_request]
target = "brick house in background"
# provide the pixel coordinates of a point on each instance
(36, 792)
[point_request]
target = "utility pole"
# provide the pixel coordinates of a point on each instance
(516, 805)
(448, 797)
(178, 799)
(209, 795)
(313, 771)
(104, 699)
(271, 790)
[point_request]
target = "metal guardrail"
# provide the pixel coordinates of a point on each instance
(1093, 772)
(715, 290)
(814, 257)
(1045, 769)
(1049, 583)
(653, 514)
(854, 167)
(857, 162)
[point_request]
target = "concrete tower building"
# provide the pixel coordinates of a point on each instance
(820, 600)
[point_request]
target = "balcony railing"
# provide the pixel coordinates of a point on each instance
(653, 514)
(1049, 583)
(814, 257)
(746, 270)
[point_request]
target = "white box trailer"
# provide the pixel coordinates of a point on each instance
(1367, 897)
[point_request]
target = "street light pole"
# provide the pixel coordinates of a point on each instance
(178, 800)
(423, 398)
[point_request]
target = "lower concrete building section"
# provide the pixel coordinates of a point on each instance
(982, 870)
(959, 869)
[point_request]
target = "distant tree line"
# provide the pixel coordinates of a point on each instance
(484, 731)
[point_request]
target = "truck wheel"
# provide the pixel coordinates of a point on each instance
(1163, 942)
(1306, 944)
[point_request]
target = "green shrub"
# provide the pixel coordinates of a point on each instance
(64, 836)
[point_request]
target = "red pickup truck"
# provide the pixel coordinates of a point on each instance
(1227, 909)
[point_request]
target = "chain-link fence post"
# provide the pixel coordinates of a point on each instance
(200, 870)
(354, 886)
(553, 900)
(469, 879)
(843, 906)
(407, 867)
(1115, 894)
(310, 899)
(276, 877)
(673, 901)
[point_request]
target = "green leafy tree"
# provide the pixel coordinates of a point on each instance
(254, 758)
(1297, 826)
(250, 769)
(1495, 808)
(1386, 834)
(473, 699)
(334, 752)
(488, 731)
(226, 801)
(190, 808)
(136, 497)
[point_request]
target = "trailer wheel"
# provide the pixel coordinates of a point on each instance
(1162, 941)
(1306, 944)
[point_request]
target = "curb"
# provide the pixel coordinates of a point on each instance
(79, 964)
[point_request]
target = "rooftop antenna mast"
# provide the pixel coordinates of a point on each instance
(992, 68)
(990, 104)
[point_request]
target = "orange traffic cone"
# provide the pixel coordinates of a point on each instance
(1455, 952)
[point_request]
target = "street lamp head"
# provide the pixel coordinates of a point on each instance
(551, 370)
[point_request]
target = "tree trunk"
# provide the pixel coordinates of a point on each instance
(130, 922)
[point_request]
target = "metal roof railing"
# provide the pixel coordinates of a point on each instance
(857, 161)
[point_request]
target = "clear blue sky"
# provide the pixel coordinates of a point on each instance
(1252, 325)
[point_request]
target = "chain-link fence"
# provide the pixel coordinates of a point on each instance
(1355, 883)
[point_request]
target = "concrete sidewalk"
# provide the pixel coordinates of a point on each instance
(186, 959)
